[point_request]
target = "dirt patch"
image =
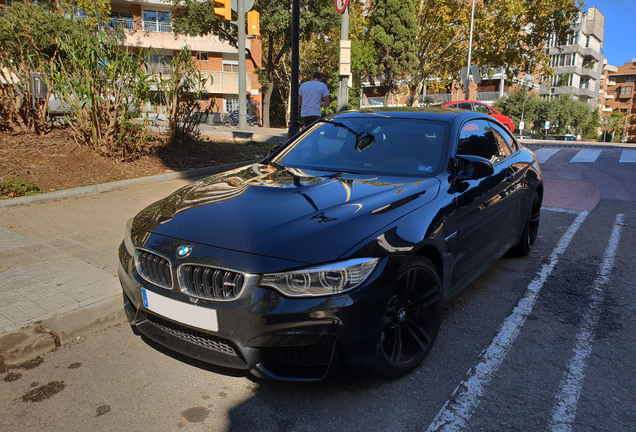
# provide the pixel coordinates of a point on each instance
(54, 161)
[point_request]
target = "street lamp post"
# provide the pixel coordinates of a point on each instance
(294, 122)
(470, 49)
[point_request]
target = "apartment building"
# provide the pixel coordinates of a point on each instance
(578, 65)
(621, 96)
(147, 25)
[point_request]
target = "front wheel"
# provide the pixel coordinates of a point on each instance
(412, 318)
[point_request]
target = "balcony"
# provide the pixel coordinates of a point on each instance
(489, 97)
(154, 26)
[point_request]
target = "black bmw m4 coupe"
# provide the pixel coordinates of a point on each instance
(337, 252)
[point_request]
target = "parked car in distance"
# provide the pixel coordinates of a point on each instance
(336, 253)
(523, 137)
(482, 108)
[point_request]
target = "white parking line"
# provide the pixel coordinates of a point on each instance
(564, 410)
(628, 156)
(457, 411)
(586, 155)
(543, 154)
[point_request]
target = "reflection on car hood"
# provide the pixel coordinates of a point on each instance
(288, 213)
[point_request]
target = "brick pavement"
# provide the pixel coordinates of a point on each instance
(58, 256)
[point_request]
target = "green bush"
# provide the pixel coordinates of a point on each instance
(16, 188)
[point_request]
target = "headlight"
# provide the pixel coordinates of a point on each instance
(128, 237)
(323, 280)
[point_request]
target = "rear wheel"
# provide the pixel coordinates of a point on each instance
(412, 319)
(530, 229)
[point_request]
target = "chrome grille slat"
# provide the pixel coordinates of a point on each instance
(210, 283)
(154, 268)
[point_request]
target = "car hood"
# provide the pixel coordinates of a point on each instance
(301, 215)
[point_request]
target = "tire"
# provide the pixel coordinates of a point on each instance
(412, 319)
(530, 228)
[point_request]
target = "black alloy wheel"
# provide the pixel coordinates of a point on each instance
(530, 229)
(412, 319)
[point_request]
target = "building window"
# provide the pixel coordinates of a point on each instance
(629, 79)
(158, 21)
(230, 66)
(626, 90)
(122, 20)
(230, 103)
(159, 64)
(202, 56)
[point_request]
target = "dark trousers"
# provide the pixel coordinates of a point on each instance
(309, 120)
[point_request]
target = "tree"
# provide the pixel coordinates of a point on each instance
(28, 43)
(392, 34)
(102, 85)
(520, 103)
(316, 18)
(513, 33)
(441, 42)
(565, 114)
(507, 33)
(612, 124)
(181, 91)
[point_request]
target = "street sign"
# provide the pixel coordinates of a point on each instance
(522, 126)
(547, 125)
(341, 5)
(248, 4)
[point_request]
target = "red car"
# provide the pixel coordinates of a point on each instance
(482, 108)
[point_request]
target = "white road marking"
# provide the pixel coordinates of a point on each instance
(628, 156)
(457, 411)
(586, 155)
(543, 154)
(566, 401)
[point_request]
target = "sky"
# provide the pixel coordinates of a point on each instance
(619, 46)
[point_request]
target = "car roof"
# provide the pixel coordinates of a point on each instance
(429, 113)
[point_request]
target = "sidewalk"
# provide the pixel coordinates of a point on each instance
(58, 257)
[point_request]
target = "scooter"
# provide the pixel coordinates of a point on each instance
(232, 119)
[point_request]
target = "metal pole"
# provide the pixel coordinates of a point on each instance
(470, 49)
(343, 86)
(294, 122)
(241, 58)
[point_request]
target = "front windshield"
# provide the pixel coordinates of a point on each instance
(397, 146)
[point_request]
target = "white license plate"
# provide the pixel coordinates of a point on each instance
(184, 313)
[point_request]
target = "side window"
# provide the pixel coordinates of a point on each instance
(464, 105)
(503, 140)
(482, 108)
(477, 138)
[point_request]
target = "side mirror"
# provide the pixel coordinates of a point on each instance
(471, 167)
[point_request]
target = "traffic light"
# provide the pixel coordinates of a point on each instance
(225, 9)
(253, 23)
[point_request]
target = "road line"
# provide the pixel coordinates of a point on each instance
(628, 156)
(543, 154)
(566, 401)
(457, 411)
(586, 155)
(560, 210)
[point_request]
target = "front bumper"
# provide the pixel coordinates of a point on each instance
(263, 331)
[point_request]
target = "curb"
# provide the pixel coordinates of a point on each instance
(72, 327)
(105, 187)
(64, 329)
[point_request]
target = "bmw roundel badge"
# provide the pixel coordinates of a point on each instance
(184, 251)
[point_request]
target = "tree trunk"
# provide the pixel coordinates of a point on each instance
(267, 98)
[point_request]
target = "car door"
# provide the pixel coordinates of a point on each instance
(481, 226)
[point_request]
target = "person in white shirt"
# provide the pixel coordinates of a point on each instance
(312, 95)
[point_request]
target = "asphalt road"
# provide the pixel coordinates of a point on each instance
(545, 342)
